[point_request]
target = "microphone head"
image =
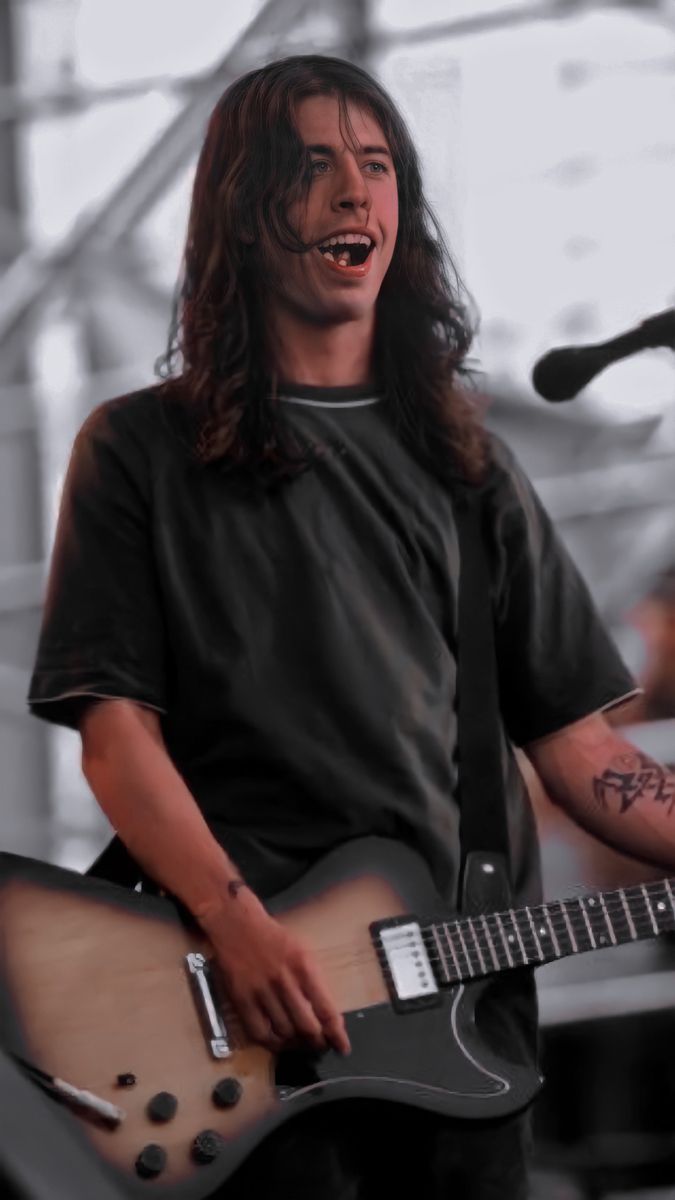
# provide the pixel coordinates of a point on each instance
(561, 373)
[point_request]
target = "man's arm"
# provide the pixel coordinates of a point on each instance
(610, 788)
(126, 765)
(272, 979)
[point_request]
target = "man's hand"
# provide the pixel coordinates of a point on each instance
(272, 980)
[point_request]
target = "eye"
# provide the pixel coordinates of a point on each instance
(384, 170)
(319, 162)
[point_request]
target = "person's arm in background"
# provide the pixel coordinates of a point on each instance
(272, 980)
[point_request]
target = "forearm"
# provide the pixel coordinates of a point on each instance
(146, 800)
(611, 788)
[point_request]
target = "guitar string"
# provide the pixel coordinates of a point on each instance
(642, 924)
(554, 915)
(344, 955)
(368, 956)
(492, 939)
(556, 910)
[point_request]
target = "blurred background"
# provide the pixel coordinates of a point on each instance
(547, 138)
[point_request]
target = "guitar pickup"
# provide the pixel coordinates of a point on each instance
(406, 964)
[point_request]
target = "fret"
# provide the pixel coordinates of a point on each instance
(481, 961)
(608, 920)
(660, 901)
(629, 919)
(490, 944)
(453, 952)
(556, 944)
(568, 926)
(505, 939)
(441, 953)
(523, 932)
(596, 918)
(650, 911)
(537, 943)
(521, 947)
(465, 950)
(614, 917)
(593, 945)
(544, 934)
(671, 898)
(619, 916)
(578, 921)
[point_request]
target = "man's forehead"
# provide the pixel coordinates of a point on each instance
(319, 120)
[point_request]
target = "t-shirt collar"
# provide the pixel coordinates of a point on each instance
(329, 396)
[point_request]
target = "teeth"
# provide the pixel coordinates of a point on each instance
(329, 256)
(349, 239)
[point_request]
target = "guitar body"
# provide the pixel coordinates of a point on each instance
(95, 986)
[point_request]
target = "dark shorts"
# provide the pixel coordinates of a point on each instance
(367, 1150)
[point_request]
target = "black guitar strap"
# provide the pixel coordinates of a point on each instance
(483, 826)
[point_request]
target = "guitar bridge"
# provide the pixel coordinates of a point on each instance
(212, 1022)
(405, 963)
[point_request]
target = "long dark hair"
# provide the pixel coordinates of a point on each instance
(252, 164)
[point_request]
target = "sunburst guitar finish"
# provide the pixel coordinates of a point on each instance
(98, 992)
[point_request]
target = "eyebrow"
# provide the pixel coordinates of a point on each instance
(321, 148)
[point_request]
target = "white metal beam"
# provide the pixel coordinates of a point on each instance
(21, 586)
(31, 277)
(14, 684)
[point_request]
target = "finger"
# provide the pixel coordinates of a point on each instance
(331, 1021)
(277, 1012)
(305, 1022)
(257, 1025)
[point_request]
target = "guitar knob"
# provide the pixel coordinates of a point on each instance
(227, 1092)
(206, 1146)
(162, 1106)
(151, 1161)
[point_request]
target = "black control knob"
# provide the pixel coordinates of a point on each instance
(227, 1092)
(126, 1079)
(162, 1106)
(207, 1146)
(151, 1161)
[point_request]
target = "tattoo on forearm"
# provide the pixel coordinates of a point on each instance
(630, 777)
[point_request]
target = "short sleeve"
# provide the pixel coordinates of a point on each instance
(556, 661)
(102, 631)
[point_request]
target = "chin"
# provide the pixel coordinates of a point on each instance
(347, 308)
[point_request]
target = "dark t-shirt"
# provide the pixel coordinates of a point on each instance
(301, 645)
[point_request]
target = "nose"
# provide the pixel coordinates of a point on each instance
(351, 189)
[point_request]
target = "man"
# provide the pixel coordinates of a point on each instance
(252, 609)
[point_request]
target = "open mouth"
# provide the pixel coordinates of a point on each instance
(353, 253)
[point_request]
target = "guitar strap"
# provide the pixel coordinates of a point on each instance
(483, 824)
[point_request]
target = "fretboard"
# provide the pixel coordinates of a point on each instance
(475, 946)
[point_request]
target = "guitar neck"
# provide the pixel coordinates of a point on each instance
(472, 947)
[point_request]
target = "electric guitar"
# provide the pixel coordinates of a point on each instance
(109, 1002)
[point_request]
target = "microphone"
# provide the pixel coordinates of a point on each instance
(563, 372)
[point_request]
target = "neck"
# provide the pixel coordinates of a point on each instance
(475, 946)
(337, 355)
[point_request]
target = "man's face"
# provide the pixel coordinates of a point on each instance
(352, 189)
